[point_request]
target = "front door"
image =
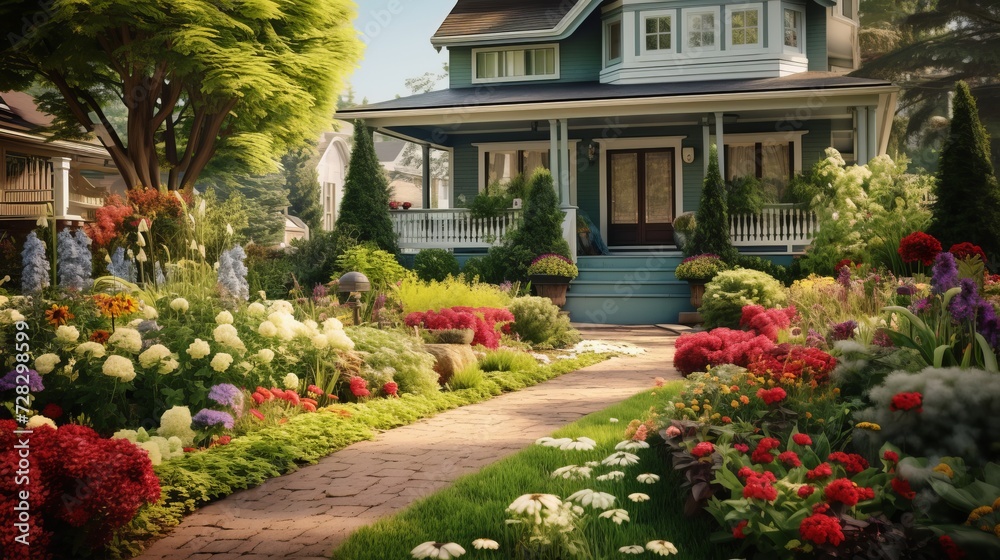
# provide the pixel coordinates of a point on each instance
(641, 197)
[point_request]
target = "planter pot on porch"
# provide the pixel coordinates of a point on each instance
(697, 292)
(552, 287)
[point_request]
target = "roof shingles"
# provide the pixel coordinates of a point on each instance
(476, 17)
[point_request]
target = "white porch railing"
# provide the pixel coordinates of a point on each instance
(776, 224)
(422, 229)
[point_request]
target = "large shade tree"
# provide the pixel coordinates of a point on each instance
(243, 79)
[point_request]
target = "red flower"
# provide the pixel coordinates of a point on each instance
(726, 420)
(53, 411)
(790, 459)
(759, 487)
(745, 472)
(907, 401)
(805, 491)
(741, 447)
(391, 388)
(359, 387)
(891, 456)
(950, 548)
(967, 250)
(802, 439)
(762, 454)
(313, 389)
(767, 322)
(223, 440)
(308, 406)
(257, 398)
(842, 490)
(771, 396)
(738, 530)
(257, 414)
(902, 487)
(919, 247)
(821, 529)
(703, 449)
(821, 471)
(852, 462)
(842, 263)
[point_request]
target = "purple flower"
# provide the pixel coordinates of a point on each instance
(379, 302)
(208, 418)
(989, 325)
(10, 381)
(965, 305)
(919, 306)
(844, 277)
(319, 292)
(815, 339)
(882, 339)
(906, 290)
(506, 286)
(945, 273)
(843, 331)
(227, 395)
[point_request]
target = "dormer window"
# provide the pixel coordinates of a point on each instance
(613, 41)
(793, 30)
(701, 29)
(513, 64)
(659, 33)
(744, 26)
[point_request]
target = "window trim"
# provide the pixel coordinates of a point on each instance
(606, 41)
(646, 14)
(533, 145)
(553, 76)
(686, 13)
(744, 139)
(761, 16)
(801, 49)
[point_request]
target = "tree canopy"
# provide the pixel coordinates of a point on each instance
(198, 79)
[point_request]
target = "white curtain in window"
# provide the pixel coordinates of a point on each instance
(740, 161)
(775, 168)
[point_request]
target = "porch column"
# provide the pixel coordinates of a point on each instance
(873, 141)
(60, 187)
(564, 164)
(720, 144)
(861, 134)
(706, 138)
(425, 150)
(554, 157)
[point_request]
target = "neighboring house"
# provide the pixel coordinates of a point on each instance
(331, 166)
(622, 101)
(405, 169)
(72, 177)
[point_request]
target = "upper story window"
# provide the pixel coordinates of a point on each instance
(660, 33)
(744, 27)
(701, 27)
(846, 8)
(613, 41)
(793, 30)
(515, 64)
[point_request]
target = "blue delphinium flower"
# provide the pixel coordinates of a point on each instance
(233, 273)
(965, 305)
(210, 418)
(122, 267)
(74, 259)
(9, 381)
(945, 273)
(35, 275)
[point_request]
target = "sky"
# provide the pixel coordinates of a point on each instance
(397, 41)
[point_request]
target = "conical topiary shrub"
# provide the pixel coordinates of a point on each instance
(711, 234)
(364, 209)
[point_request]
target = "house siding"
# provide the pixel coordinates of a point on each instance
(816, 37)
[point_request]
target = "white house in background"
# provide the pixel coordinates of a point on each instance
(334, 151)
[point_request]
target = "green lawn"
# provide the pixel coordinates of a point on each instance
(474, 507)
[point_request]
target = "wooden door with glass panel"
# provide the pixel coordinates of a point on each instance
(641, 197)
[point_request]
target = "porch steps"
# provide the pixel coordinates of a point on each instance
(628, 288)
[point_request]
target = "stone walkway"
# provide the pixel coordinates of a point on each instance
(305, 514)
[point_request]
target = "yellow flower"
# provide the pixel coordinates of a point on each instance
(708, 407)
(679, 406)
(946, 470)
(696, 408)
(734, 404)
(868, 426)
(979, 512)
(809, 414)
(716, 416)
(694, 401)
(725, 389)
(996, 503)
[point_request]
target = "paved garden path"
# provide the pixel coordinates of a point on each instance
(305, 514)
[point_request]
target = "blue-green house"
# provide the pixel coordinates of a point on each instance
(622, 100)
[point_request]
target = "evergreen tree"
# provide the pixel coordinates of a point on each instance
(302, 183)
(711, 233)
(364, 208)
(967, 207)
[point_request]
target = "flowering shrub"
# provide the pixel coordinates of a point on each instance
(83, 488)
(698, 351)
(787, 363)
(919, 247)
(767, 322)
(483, 320)
(554, 265)
(702, 267)
(732, 290)
(966, 250)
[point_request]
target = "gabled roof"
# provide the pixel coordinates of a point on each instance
(388, 150)
(483, 22)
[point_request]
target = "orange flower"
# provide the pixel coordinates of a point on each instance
(100, 336)
(58, 315)
(744, 399)
(116, 305)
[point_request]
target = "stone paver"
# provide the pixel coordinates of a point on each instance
(306, 514)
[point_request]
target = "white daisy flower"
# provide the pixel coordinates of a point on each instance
(613, 475)
(552, 442)
(579, 444)
(662, 548)
(487, 544)
(613, 421)
(621, 459)
(631, 445)
(596, 500)
(572, 472)
(619, 516)
(639, 497)
(632, 549)
(532, 504)
(592, 464)
(648, 478)
(442, 551)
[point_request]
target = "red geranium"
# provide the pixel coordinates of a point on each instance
(738, 530)
(842, 263)
(891, 456)
(359, 387)
(906, 402)
(790, 459)
(805, 491)
(698, 351)
(762, 454)
(745, 472)
(902, 487)
(703, 449)
(919, 247)
(852, 462)
(767, 322)
(759, 486)
(965, 250)
(950, 548)
(53, 411)
(771, 396)
(821, 529)
(844, 491)
(802, 439)
(821, 471)
(391, 388)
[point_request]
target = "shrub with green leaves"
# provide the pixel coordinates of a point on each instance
(417, 295)
(712, 232)
(938, 412)
(435, 264)
(731, 290)
(392, 356)
(314, 261)
(381, 267)
(468, 377)
(537, 320)
(506, 360)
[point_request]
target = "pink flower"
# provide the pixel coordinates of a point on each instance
(673, 431)
(359, 387)
(703, 449)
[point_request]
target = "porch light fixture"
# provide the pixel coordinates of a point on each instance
(354, 284)
(592, 152)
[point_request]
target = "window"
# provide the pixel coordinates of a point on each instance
(771, 162)
(537, 63)
(613, 41)
(659, 33)
(701, 30)
(502, 166)
(793, 29)
(846, 8)
(744, 29)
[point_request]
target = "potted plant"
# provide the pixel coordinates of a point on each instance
(698, 271)
(683, 229)
(551, 274)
